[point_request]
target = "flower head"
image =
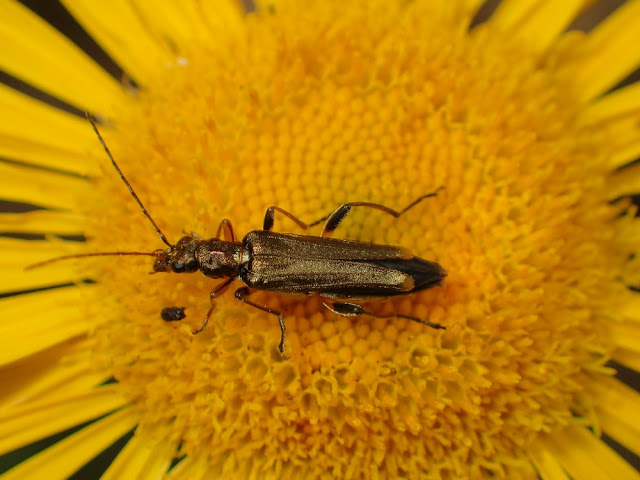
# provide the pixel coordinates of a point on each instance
(306, 107)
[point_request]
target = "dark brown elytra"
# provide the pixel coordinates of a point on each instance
(341, 272)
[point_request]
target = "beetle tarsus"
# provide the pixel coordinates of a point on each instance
(353, 309)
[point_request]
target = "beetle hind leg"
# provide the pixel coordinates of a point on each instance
(353, 310)
(243, 293)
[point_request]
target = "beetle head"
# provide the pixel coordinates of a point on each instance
(180, 258)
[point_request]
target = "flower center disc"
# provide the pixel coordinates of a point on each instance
(305, 113)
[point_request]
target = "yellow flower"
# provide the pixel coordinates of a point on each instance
(306, 105)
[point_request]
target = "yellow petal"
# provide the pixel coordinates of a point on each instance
(537, 23)
(224, 16)
(626, 335)
(625, 182)
(118, 27)
(573, 458)
(625, 431)
(611, 52)
(630, 309)
(619, 405)
(27, 42)
(621, 102)
(20, 374)
(177, 22)
(585, 456)
(43, 221)
(20, 253)
(45, 319)
(191, 468)
(41, 155)
(39, 187)
(546, 464)
(617, 397)
(68, 455)
(623, 154)
(23, 425)
(458, 12)
(39, 134)
(43, 374)
(142, 457)
(628, 358)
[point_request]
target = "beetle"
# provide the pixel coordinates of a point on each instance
(341, 272)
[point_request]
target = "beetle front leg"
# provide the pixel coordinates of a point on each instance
(217, 290)
(244, 292)
(352, 310)
(227, 229)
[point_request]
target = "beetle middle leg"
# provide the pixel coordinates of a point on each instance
(243, 293)
(217, 290)
(352, 310)
(335, 218)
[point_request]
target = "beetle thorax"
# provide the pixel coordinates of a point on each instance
(217, 258)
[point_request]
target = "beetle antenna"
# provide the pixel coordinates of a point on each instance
(124, 179)
(99, 254)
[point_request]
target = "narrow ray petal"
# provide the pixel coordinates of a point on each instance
(142, 457)
(178, 22)
(546, 464)
(42, 135)
(120, 30)
(43, 221)
(45, 318)
(220, 15)
(26, 381)
(34, 368)
(537, 22)
(40, 187)
(26, 424)
(626, 357)
(621, 403)
(617, 409)
(36, 121)
(625, 335)
(69, 75)
(611, 52)
(578, 463)
(458, 13)
(43, 155)
(630, 309)
(625, 182)
(585, 456)
(41, 333)
(622, 154)
(625, 431)
(18, 254)
(621, 102)
(191, 468)
(68, 455)
(623, 134)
